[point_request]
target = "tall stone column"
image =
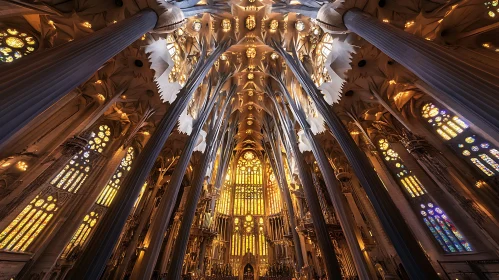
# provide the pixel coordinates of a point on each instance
(146, 262)
(334, 190)
(411, 254)
(275, 158)
(35, 83)
(474, 89)
(180, 247)
(94, 259)
(321, 231)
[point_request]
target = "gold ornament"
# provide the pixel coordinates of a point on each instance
(226, 25)
(251, 52)
(250, 22)
(274, 24)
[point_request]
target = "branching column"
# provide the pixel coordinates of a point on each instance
(334, 190)
(180, 247)
(411, 254)
(321, 231)
(275, 158)
(472, 88)
(146, 262)
(29, 87)
(93, 261)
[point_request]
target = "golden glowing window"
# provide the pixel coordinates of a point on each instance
(273, 193)
(107, 195)
(410, 182)
(249, 189)
(15, 44)
(81, 233)
(446, 126)
(28, 225)
(23, 230)
(100, 139)
(479, 153)
(223, 203)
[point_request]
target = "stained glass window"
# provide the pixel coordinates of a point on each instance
(443, 230)
(440, 226)
(107, 195)
(492, 8)
(249, 189)
(15, 44)
(21, 232)
(223, 202)
(105, 198)
(81, 233)
(28, 225)
(410, 182)
(273, 193)
(446, 126)
(476, 150)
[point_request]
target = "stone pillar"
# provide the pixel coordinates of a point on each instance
(411, 254)
(180, 247)
(340, 206)
(146, 262)
(92, 263)
(35, 83)
(462, 82)
(275, 158)
(321, 231)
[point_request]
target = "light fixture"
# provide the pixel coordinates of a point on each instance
(196, 25)
(392, 82)
(223, 57)
(21, 165)
(251, 76)
(101, 97)
(274, 56)
(87, 24)
(299, 25)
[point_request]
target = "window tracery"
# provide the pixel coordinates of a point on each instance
(28, 224)
(109, 192)
(15, 44)
(438, 223)
(273, 193)
(479, 152)
(104, 199)
(444, 231)
(492, 8)
(248, 190)
(410, 182)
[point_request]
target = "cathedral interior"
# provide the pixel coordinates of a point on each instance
(249, 139)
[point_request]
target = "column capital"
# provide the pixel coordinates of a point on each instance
(170, 17)
(330, 16)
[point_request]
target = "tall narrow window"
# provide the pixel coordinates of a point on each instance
(28, 225)
(478, 152)
(249, 189)
(411, 184)
(273, 194)
(105, 198)
(440, 226)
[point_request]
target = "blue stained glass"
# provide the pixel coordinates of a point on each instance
(443, 230)
(435, 234)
